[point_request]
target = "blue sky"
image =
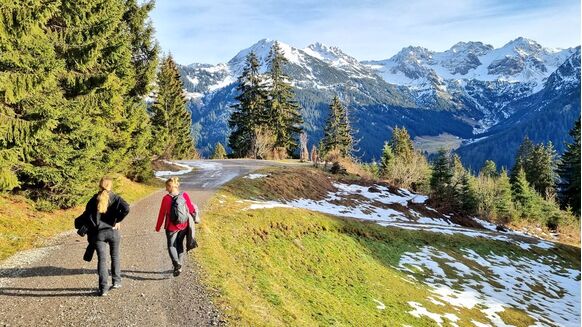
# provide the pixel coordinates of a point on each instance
(213, 31)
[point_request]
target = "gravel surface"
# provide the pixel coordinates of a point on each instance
(53, 286)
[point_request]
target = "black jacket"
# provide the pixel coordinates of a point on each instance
(90, 221)
(117, 209)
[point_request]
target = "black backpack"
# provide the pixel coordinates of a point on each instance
(179, 212)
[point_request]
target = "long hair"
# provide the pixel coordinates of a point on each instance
(105, 186)
(173, 183)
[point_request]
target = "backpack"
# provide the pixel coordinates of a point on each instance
(179, 212)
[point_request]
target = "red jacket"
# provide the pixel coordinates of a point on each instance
(165, 213)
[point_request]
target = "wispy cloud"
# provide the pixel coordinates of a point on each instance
(213, 31)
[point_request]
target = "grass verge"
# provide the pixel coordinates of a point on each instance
(23, 227)
(280, 266)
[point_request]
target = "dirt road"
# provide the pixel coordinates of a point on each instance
(53, 286)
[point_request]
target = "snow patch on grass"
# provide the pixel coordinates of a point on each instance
(255, 176)
(548, 292)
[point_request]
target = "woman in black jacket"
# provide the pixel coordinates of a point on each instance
(103, 215)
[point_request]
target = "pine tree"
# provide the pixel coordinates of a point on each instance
(171, 117)
(468, 195)
(250, 116)
(440, 180)
(402, 144)
(489, 169)
(543, 170)
(219, 152)
(503, 203)
(521, 190)
(28, 90)
(569, 171)
(145, 49)
(145, 60)
(387, 160)
(337, 131)
(284, 111)
(85, 133)
(522, 158)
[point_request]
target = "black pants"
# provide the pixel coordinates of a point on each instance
(111, 237)
(176, 245)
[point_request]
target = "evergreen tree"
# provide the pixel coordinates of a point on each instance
(219, 152)
(28, 89)
(401, 143)
(387, 160)
(250, 116)
(284, 111)
(86, 133)
(503, 203)
(569, 171)
(337, 131)
(145, 49)
(441, 178)
(522, 158)
(543, 170)
(145, 60)
(468, 195)
(171, 117)
(489, 169)
(521, 190)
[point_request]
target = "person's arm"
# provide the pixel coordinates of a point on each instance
(191, 206)
(161, 214)
(122, 209)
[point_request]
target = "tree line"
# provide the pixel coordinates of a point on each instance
(74, 77)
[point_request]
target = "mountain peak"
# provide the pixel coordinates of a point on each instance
(524, 44)
(414, 53)
(477, 48)
(329, 54)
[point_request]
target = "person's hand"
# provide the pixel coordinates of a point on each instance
(117, 226)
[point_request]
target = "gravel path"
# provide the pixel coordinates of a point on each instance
(53, 286)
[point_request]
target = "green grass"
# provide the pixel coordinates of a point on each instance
(276, 267)
(23, 227)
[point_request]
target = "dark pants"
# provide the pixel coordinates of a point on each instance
(176, 245)
(111, 237)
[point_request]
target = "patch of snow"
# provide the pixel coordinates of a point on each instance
(255, 205)
(161, 174)
(548, 292)
(255, 176)
(380, 305)
(203, 164)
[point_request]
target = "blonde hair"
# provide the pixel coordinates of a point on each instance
(105, 186)
(173, 183)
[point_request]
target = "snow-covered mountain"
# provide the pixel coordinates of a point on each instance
(464, 91)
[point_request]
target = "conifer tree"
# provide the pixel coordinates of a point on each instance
(402, 144)
(284, 111)
(543, 170)
(387, 159)
(250, 116)
(569, 171)
(521, 190)
(337, 131)
(171, 119)
(440, 180)
(219, 152)
(489, 169)
(28, 90)
(503, 203)
(468, 195)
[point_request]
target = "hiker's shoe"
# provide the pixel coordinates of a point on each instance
(177, 270)
(116, 286)
(102, 292)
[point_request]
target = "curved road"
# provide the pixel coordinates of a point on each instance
(53, 286)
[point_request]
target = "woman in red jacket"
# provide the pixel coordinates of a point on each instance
(175, 233)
